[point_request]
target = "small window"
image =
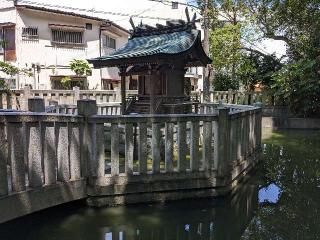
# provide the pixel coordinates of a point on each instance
(66, 37)
(110, 42)
(30, 33)
(175, 5)
(88, 26)
(10, 44)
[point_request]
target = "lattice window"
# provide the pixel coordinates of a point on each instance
(30, 33)
(67, 37)
(110, 42)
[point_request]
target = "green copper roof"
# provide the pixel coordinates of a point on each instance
(150, 46)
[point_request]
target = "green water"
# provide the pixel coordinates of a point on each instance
(280, 201)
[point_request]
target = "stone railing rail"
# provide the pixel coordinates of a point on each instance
(17, 99)
(113, 108)
(242, 97)
(50, 159)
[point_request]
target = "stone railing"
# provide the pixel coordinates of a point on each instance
(40, 162)
(183, 152)
(242, 98)
(49, 159)
(102, 109)
(17, 99)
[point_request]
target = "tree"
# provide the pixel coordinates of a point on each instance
(297, 23)
(80, 67)
(257, 69)
(9, 69)
(236, 27)
(228, 45)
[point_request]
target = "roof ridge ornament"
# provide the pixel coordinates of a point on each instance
(171, 26)
(132, 24)
(187, 14)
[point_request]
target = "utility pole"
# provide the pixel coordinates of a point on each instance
(206, 69)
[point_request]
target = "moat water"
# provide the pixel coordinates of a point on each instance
(281, 200)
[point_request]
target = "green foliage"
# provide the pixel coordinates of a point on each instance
(66, 82)
(8, 68)
(3, 86)
(11, 70)
(224, 47)
(234, 62)
(223, 82)
(291, 162)
(299, 84)
(80, 67)
(297, 22)
(255, 69)
(237, 25)
(3, 43)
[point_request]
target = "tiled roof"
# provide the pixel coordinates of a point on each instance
(156, 48)
(171, 43)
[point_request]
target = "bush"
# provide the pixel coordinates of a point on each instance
(298, 83)
(223, 82)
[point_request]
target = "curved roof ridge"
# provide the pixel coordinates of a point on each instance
(142, 49)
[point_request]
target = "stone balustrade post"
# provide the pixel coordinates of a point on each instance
(259, 124)
(88, 108)
(258, 104)
(117, 97)
(76, 94)
(3, 161)
(222, 160)
(36, 105)
(1, 100)
(26, 96)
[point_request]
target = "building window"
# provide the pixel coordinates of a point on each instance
(30, 33)
(67, 37)
(88, 26)
(110, 42)
(76, 81)
(8, 43)
(2, 42)
(175, 5)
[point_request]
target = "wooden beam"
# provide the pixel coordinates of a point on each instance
(122, 73)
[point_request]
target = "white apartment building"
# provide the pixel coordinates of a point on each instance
(35, 25)
(46, 40)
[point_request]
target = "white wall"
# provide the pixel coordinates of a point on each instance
(145, 10)
(6, 4)
(55, 60)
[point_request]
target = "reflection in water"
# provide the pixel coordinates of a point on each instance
(205, 219)
(281, 202)
(269, 194)
(224, 218)
(290, 170)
